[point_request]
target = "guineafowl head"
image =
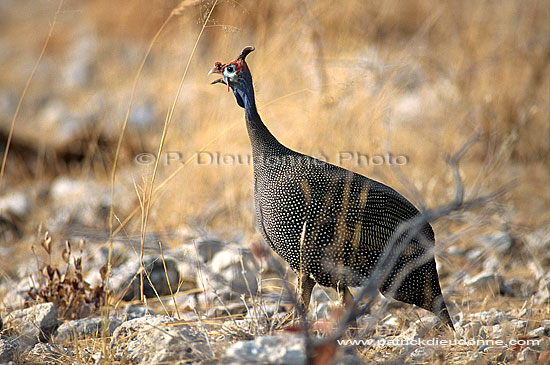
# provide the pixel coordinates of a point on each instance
(236, 76)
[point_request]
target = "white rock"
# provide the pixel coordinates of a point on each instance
(491, 265)
(422, 353)
(543, 293)
(490, 317)
(8, 349)
(528, 355)
(518, 324)
(537, 332)
(33, 324)
(472, 329)
(84, 328)
(79, 202)
(499, 242)
(237, 270)
(486, 280)
(156, 339)
(517, 287)
(42, 351)
(126, 277)
(16, 203)
(539, 239)
(497, 332)
(287, 349)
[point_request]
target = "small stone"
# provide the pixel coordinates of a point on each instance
(472, 329)
(126, 278)
(184, 302)
(9, 231)
(537, 332)
(235, 268)
(188, 266)
(409, 334)
(491, 265)
(215, 296)
(499, 242)
(17, 203)
(207, 247)
(33, 324)
(508, 355)
(497, 332)
(288, 349)
(136, 311)
(391, 322)
(242, 325)
(156, 339)
(87, 327)
(482, 348)
(422, 354)
(82, 202)
(98, 358)
(539, 240)
(516, 287)
(518, 325)
(8, 349)
(474, 254)
(42, 351)
(264, 311)
(543, 293)
(489, 318)
(227, 310)
(474, 358)
(428, 322)
(528, 355)
(486, 280)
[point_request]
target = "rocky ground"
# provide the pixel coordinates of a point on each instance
(228, 305)
(404, 81)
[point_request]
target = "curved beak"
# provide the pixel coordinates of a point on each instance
(221, 80)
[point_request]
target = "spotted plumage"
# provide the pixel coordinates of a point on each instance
(332, 225)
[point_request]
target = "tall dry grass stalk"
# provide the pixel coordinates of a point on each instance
(163, 140)
(25, 89)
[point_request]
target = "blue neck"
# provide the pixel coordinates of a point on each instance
(247, 96)
(261, 139)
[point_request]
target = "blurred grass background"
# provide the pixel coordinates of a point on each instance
(416, 78)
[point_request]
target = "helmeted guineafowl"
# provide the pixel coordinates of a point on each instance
(332, 225)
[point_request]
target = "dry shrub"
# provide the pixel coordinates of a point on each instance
(73, 297)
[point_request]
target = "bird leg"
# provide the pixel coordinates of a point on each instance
(306, 284)
(345, 299)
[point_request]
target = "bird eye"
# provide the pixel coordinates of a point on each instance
(230, 68)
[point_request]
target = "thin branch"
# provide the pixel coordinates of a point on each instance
(412, 229)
